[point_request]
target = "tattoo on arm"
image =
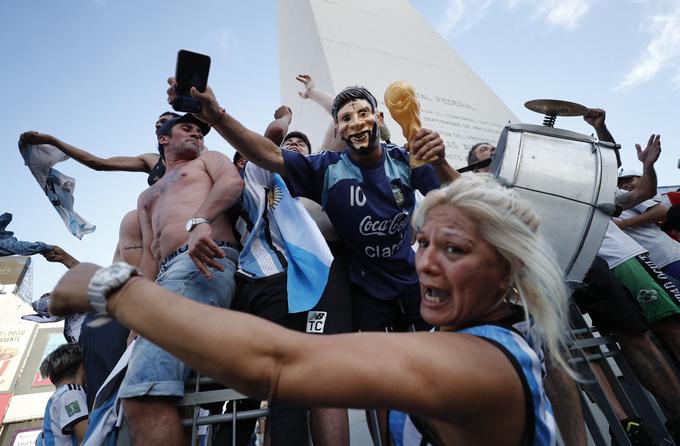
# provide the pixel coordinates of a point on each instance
(127, 248)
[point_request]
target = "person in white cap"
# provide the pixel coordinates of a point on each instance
(639, 222)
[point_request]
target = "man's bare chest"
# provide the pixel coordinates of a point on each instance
(176, 185)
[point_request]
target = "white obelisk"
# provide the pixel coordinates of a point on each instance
(373, 43)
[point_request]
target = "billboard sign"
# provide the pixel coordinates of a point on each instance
(13, 269)
(14, 340)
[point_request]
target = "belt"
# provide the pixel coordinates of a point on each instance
(184, 248)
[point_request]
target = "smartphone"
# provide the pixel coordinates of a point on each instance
(192, 71)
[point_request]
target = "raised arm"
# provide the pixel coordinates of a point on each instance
(141, 163)
(331, 141)
(596, 118)
(324, 99)
(410, 372)
(57, 254)
(646, 189)
(278, 128)
(428, 145)
(255, 147)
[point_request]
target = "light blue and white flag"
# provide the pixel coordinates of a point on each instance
(57, 186)
(106, 415)
(308, 255)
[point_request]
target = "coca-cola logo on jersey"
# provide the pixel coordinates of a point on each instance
(388, 226)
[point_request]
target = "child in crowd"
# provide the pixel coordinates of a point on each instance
(65, 420)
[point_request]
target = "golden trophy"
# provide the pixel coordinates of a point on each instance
(401, 101)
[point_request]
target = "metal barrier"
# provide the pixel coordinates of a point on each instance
(589, 349)
(194, 397)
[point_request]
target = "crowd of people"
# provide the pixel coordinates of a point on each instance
(444, 339)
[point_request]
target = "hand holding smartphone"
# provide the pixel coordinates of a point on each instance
(192, 71)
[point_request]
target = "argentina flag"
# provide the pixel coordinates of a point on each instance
(57, 186)
(308, 255)
(106, 416)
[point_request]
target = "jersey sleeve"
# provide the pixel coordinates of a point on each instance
(258, 175)
(425, 179)
(304, 174)
(647, 204)
(72, 408)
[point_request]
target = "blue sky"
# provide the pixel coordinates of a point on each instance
(92, 72)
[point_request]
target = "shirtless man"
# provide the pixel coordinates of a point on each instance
(188, 245)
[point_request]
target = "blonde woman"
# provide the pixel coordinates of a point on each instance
(475, 380)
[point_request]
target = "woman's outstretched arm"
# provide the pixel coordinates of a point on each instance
(439, 375)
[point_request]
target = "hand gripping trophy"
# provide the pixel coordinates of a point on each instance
(401, 101)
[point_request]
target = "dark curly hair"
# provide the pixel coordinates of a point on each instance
(350, 94)
(300, 135)
(472, 156)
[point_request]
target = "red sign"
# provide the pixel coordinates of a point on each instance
(53, 341)
(4, 402)
(38, 381)
(3, 365)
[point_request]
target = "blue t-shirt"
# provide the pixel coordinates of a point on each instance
(370, 208)
(102, 347)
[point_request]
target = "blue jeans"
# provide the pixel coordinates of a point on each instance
(153, 371)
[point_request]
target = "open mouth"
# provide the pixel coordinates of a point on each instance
(435, 295)
(360, 139)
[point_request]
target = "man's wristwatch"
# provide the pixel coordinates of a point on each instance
(107, 280)
(193, 222)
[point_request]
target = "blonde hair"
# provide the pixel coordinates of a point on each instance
(509, 224)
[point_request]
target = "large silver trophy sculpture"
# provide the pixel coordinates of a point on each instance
(570, 178)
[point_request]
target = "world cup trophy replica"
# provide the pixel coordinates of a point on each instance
(401, 101)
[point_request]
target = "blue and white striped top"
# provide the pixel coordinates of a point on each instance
(263, 251)
(541, 427)
(66, 407)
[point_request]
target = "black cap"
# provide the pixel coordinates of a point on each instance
(165, 128)
(302, 136)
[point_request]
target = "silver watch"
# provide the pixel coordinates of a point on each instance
(193, 222)
(106, 280)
